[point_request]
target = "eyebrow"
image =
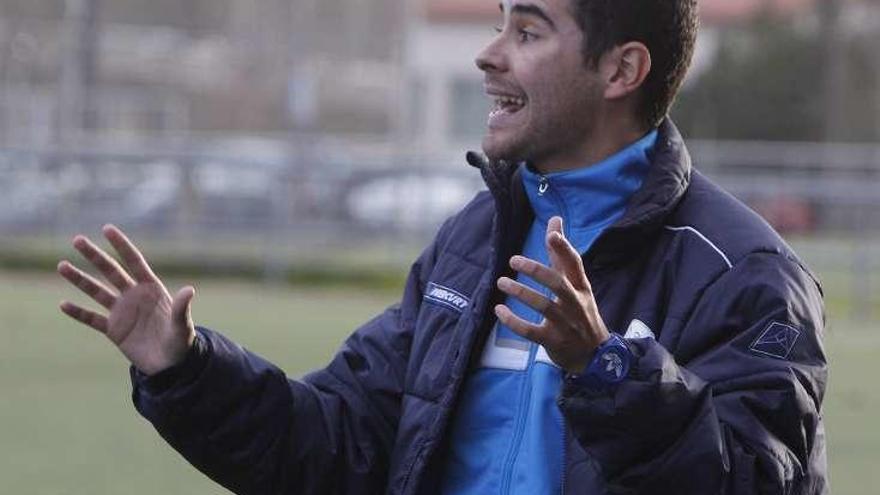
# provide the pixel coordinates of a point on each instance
(530, 10)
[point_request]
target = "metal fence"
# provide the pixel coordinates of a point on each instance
(314, 194)
(800, 187)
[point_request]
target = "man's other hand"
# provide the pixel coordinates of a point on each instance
(572, 327)
(152, 329)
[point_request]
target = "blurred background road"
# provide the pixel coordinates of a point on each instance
(291, 158)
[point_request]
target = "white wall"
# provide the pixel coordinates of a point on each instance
(437, 55)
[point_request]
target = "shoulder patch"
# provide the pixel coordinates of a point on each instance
(777, 340)
(445, 296)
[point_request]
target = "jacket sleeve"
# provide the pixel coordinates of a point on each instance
(735, 410)
(241, 421)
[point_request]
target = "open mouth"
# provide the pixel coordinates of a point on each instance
(507, 104)
(505, 107)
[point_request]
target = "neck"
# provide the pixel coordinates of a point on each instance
(605, 140)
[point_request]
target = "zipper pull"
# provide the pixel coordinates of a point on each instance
(543, 185)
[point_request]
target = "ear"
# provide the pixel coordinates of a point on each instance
(625, 68)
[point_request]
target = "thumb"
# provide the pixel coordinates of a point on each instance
(181, 307)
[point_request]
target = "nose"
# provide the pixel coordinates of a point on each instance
(492, 57)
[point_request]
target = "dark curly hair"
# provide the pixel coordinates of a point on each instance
(668, 28)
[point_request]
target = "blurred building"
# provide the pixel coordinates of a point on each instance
(318, 97)
(390, 69)
(130, 68)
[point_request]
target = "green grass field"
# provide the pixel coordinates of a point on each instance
(67, 425)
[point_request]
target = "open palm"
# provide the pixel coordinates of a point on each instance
(152, 329)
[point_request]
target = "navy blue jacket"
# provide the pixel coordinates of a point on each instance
(727, 399)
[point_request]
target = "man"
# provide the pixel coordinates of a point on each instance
(603, 320)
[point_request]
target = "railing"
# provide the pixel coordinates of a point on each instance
(306, 198)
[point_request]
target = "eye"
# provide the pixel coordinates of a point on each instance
(525, 36)
(498, 29)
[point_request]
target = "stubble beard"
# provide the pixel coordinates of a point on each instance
(523, 143)
(510, 149)
(534, 142)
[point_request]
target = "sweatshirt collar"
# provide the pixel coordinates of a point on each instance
(592, 196)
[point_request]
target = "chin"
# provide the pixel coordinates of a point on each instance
(498, 148)
(490, 149)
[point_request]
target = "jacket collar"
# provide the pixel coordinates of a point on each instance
(591, 197)
(646, 212)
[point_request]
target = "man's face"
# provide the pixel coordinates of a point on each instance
(546, 97)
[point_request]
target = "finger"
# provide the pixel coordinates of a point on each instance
(85, 316)
(554, 229)
(134, 260)
(555, 225)
(564, 256)
(527, 330)
(530, 297)
(108, 266)
(181, 307)
(88, 284)
(546, 276)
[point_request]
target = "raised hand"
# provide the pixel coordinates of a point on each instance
(572, 327)
(152, 329)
